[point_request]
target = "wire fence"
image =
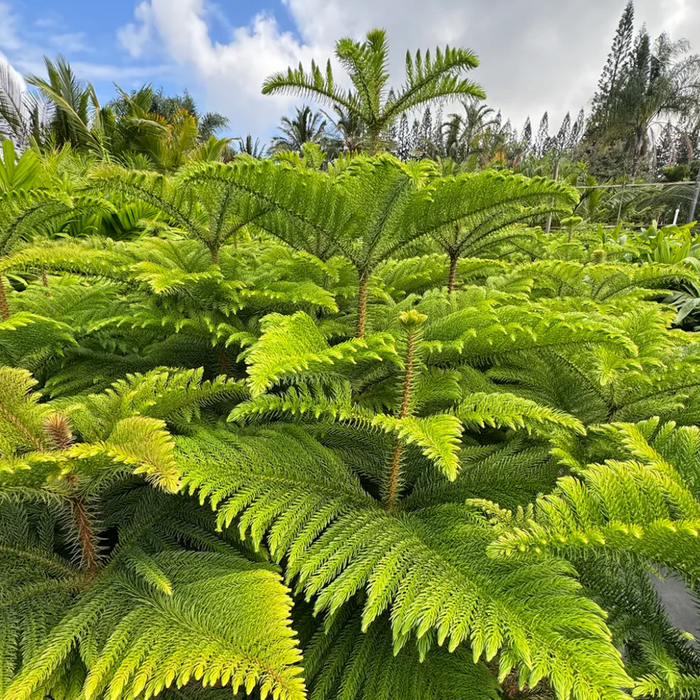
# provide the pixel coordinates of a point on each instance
(625, 185)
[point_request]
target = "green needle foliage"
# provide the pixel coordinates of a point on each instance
(429, 79)
(109, 583)
(373, 208)
(342, 431)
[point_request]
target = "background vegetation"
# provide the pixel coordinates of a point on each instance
(389, 413)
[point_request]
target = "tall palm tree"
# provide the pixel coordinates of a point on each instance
(168, 107)
(477, 119)
(465, 132)
(166, 142)
(306, 126)
(428, 79)
(661, 81)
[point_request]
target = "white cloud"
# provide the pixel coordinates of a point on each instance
(535, 56)
(133, 75)
(75, 42)
(23, 45)
(538, 55)
(50, 20)
(9, 35)
(230, 75)
(136, 37)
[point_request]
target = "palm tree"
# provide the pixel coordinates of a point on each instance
(468, 133)
(306, 126)
(661, 81)
(477, 120)
(141, 127)
(249, 146)
(349, 132)
(428, 80)
(168, 107)
(23, 115)
(76, 116)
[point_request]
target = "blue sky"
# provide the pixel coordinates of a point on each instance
(87, 33)
(536, 55)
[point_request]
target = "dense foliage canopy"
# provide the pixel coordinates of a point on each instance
(350, 428)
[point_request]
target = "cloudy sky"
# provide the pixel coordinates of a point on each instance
(535, 55)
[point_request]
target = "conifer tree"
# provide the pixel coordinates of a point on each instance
(563, 138)
(541, 143)
(429, 79)
(403, 148)
(614, 72)
(526, 136)
(577, 130)
(346, 427)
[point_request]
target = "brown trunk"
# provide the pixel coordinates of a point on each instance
(57, 429)
(395, 469)
(44, 278)
(454, 259)
(4, 308)
(88, 558)
(362, 305)
(214, 252)
(81, 518)
(223, 361)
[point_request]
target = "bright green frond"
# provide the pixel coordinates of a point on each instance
(507, 410)
(292, 346)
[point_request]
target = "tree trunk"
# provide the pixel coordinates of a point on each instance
(85, 536)
(83, 525)
(362, 304)
(555, 177)
(4, 308)
(638, 142)
(694, 199)
(451, 280)
(635, 163)
(374, 135)
(223, 362)
(394, 476)
(395, 469)
(214, 252)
